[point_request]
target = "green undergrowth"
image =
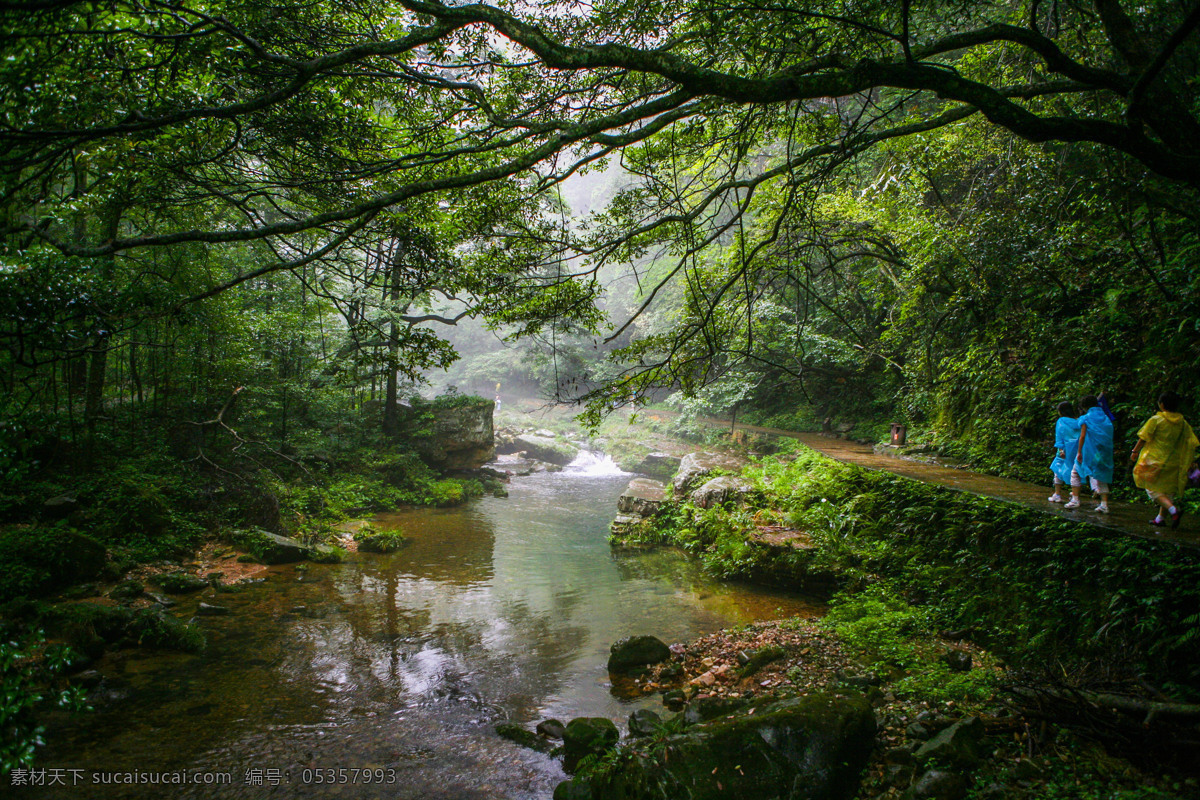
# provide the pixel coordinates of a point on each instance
(91, 628)
(1038, 589)
(371, 540)
(381, 481)
(30, 681)
(896, 639)
(154, 507)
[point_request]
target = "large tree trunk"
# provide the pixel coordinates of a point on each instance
(391, 410)
(93, 400)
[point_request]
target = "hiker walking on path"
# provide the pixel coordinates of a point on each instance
(1164, 451)
(1094, 459)
(1066, 439)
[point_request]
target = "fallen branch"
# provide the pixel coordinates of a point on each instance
(219, 420)
(1151, 709)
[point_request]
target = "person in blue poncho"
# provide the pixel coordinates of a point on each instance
(1066, 439)
(1094, 457)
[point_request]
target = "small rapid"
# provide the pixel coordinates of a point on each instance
(594, 464)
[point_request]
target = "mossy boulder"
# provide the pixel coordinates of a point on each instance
(637, 651)
(644, 722)
(268, 548)
(275, 549)
(544, 448)
(643, 497)
(127, 590)
(524, 737)
(587, 736)
(459, 432)
(720, 490)
(695, 468)
(958, 746)
(180, 582)
(760, 658)
(90, 628)
(802, 748)
(37, 560)
(657, 465)
(326, 554)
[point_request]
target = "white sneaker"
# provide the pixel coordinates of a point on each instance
(1072, 503)
(1102, 508)
(1055, 498)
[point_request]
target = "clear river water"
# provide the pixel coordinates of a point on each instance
(384, 676)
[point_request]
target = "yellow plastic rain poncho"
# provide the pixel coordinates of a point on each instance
(1170, 444)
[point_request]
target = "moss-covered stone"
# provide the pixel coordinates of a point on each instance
(127, 590)
(90, 628)
(760, 658)
(179, 582)
(801, 749)
(326, 554)
(275, 549)
(544, 448)
(587, 736)
(958, 746)
(524, 737)
(644, 722)
(36, 560)
(632, 652)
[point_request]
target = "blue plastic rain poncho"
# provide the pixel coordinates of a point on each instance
(1066, 440)
(1097, 461)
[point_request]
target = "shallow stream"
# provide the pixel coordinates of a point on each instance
(384, 676)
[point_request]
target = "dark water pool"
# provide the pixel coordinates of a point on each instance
(384, 676)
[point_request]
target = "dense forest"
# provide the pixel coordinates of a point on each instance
(239, 241)
(951, 213)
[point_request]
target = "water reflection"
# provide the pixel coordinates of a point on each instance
(502, 610)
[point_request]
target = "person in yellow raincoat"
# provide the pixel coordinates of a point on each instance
(1164, 451)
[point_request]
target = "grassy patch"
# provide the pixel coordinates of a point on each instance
(371, 540)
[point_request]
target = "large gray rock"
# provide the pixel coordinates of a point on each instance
(718, 490)
(958, 746)
(803, 748)
(642, 497)
(695, 467)
(463, 436)
(637, 651)
(544, 448)
(59, 507)
(275, 549)
(510, 465)
(644, 722)
(939, 785)
(659, 465)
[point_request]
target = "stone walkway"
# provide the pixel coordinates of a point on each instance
(1130, 518)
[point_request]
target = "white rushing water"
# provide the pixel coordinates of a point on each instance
(594, 464)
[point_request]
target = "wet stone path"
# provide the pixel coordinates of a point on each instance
(1130, 518)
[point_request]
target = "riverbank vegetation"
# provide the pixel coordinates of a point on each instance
(946, 606)
(1044, 592)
